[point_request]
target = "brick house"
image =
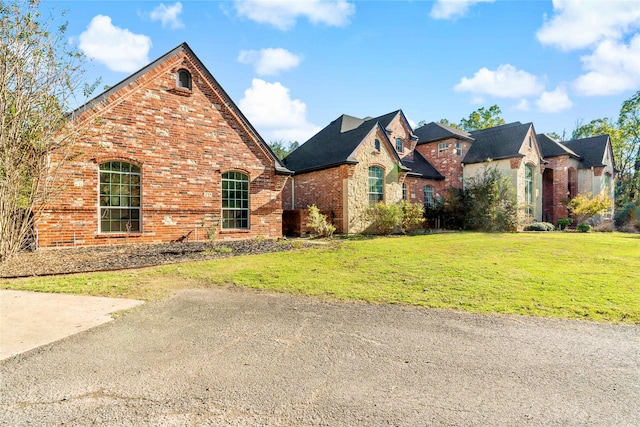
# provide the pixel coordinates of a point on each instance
(353, 163)
(165, 154)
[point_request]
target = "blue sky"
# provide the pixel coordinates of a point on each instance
(294, 66)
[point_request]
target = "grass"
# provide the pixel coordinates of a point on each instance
(591, 276)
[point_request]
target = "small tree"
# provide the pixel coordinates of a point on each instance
(490, 202)
(318, 223)
(586, 207)
(39, 74)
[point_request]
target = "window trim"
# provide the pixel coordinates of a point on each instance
(375, 196)
(405, 191)
(399, 145)
(133, 210)
(224, 221)
(458, 148)
(429, 196)
(442, 146)
(179, 83)
(529, 189)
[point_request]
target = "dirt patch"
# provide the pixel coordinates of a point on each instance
(115, 257)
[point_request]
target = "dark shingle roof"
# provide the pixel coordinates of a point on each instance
(432, 132)
(591, 150)
(335, 144)
(421, 167)
(549, 147)
(500, 142)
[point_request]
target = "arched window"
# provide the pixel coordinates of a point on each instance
(529, 190)
(376, 185)
(119, 197)
(607, 183)
(184, 79)
(376, 144)
(235, 200)
(428, 196)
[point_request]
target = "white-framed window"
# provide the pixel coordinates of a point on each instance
(376, 185)
(428, 196)
(184, 79)
(458, 148)
(529, 190)
(120, 197)
(235, 200)
(442, 147)
(405, 192)
(399, 145)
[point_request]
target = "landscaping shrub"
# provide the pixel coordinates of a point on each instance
(586, 207)
(449, 210)
(539, 226)
(583, 227)
(564, 223)
(605, 227)
(384, 218)
(490, 203)
(628, 217)
(411, 215)
(319, 224)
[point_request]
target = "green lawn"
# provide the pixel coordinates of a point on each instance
(592, 276)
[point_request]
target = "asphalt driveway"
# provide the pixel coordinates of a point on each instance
(234, 357)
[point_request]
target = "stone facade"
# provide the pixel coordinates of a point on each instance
(182, 140)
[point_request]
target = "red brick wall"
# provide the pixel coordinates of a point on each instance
(448, 163)
(183, 141)
(554, 205)
(323, 188)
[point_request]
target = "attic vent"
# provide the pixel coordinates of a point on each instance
(184, 79)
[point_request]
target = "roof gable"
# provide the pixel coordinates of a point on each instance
(549, 147)
(106, 98)
(591, 150)
(497, 143)
(433, 132)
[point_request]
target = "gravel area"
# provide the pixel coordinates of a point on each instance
(100, 258)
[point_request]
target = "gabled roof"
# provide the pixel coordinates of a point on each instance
(500, 142)
(549, 147)
(421, 167)
(433, 131)
(591, 150)
(336, 144)
(184, 47)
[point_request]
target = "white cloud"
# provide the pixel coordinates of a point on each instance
(505, 82)
(283, 14)
(578, 24)
(168, 15)
(612, 68)
(523, 105)
(271, 61)
(270, 108)
(555, 101)
(117, 48)
(451, 9)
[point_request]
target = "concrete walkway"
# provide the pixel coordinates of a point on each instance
(31, 319)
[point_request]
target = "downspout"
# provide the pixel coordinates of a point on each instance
(293, 193)
(593, 181)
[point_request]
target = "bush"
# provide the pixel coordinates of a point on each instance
(584, 227)
(539, 226)
(586, 207)
(319, 224)
(411, 215)
(490, 203)
(384, 218)
(564, 223)
(628, 217)
(605, 227)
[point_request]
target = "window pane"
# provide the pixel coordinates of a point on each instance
(235, 200)
(120, 197)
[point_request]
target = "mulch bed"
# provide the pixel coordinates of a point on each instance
(103, 258)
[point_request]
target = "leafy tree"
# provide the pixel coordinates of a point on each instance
(586, 207)
(450, 124)
(625, 142)
(282, 149)
(39, 74)
(483, 119)
(490, 202)
(412, 215)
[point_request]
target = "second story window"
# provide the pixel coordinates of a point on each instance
(458, 149)
(184, 79)
(376, 144)
(398, 145)
(442, 148)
